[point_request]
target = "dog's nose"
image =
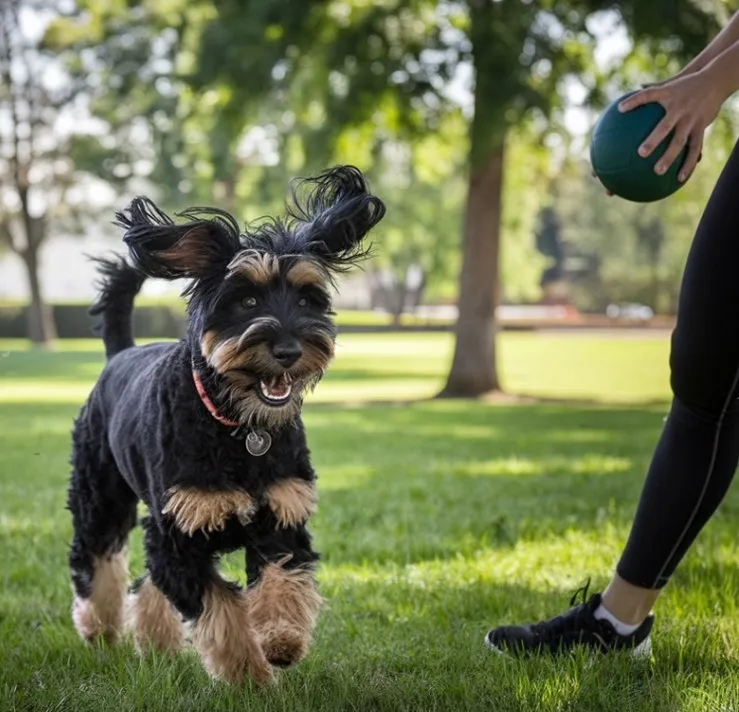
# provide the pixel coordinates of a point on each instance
(287, 352)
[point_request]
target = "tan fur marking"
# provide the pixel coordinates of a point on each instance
(153, 620)
(102, 613)
(257, 267)
(192, 253)
(195, 509)
(292, 501)
(316, 360)
(225, 638)
(208, 343)
(284, 608)
(305, 273)
(226, 356)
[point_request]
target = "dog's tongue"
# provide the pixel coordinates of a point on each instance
(278, 386)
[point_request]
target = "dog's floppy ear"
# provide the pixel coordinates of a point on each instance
(160, 248)
(335, 215)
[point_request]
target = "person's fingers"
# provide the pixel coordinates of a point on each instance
(693, 157)
(595, 175)
(645, 96)
(660, 133)
(679, 140)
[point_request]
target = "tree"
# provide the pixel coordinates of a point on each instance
(26, 166)
(42, 189)
(388, 65)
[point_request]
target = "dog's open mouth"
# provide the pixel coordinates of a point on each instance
(276, 390)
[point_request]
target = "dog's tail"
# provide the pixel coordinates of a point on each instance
(119, 284)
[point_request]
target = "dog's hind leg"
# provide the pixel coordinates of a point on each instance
(103, 511)
(152, 619)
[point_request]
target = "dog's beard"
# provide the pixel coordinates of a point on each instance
(257, 389)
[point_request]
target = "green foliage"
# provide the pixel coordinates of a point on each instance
(224, 101)
(134, 58)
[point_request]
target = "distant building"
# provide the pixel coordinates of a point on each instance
(68, 275)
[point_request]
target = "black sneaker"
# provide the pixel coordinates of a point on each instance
(576, 627)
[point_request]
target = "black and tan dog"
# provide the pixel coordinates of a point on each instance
(207, 431)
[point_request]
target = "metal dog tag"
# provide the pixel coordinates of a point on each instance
(258, 442)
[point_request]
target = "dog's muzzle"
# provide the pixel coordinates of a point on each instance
(277, 390)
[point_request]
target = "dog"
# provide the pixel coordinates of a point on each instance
(207, 431)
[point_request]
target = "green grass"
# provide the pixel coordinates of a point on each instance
(436, 520)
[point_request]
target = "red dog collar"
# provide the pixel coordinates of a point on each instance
(208, 403)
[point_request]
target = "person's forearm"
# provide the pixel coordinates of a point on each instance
(723, 41)
(724, 72)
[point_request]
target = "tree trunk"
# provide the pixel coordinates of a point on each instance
(654, 287)
(41, 328)
(474, 368)
(399, 296)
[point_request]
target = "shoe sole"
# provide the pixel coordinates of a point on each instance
(643, 651)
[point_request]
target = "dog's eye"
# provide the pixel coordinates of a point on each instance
(249, 302)
(303, 302)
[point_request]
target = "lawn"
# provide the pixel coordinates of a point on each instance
(437, 520)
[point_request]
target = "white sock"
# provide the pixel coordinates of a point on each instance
(602, 613)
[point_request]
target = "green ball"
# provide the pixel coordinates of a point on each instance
(614, 143)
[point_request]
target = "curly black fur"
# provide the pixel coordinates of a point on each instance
(118, 286)
(337, 212)
(259, 324)
(150, 234)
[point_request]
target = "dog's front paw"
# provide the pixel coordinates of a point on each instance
(226, 641)
(283, 607)
(282, 644)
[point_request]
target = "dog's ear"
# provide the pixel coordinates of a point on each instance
(160, 248)
(335, 215)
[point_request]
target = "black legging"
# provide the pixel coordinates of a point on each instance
(698, 451)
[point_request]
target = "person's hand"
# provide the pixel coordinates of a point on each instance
(691, 103)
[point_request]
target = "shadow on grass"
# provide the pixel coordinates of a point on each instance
(384, 646)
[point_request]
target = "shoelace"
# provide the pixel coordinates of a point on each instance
(566, 622)
(583, 598)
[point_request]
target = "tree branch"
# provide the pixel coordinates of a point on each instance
(6, 236)
(10, 16)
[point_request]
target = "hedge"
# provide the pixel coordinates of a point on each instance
(73, 322)
(166, 320)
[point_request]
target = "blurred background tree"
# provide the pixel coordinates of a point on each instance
(36, 173)
(390, 65)
(459, 111)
